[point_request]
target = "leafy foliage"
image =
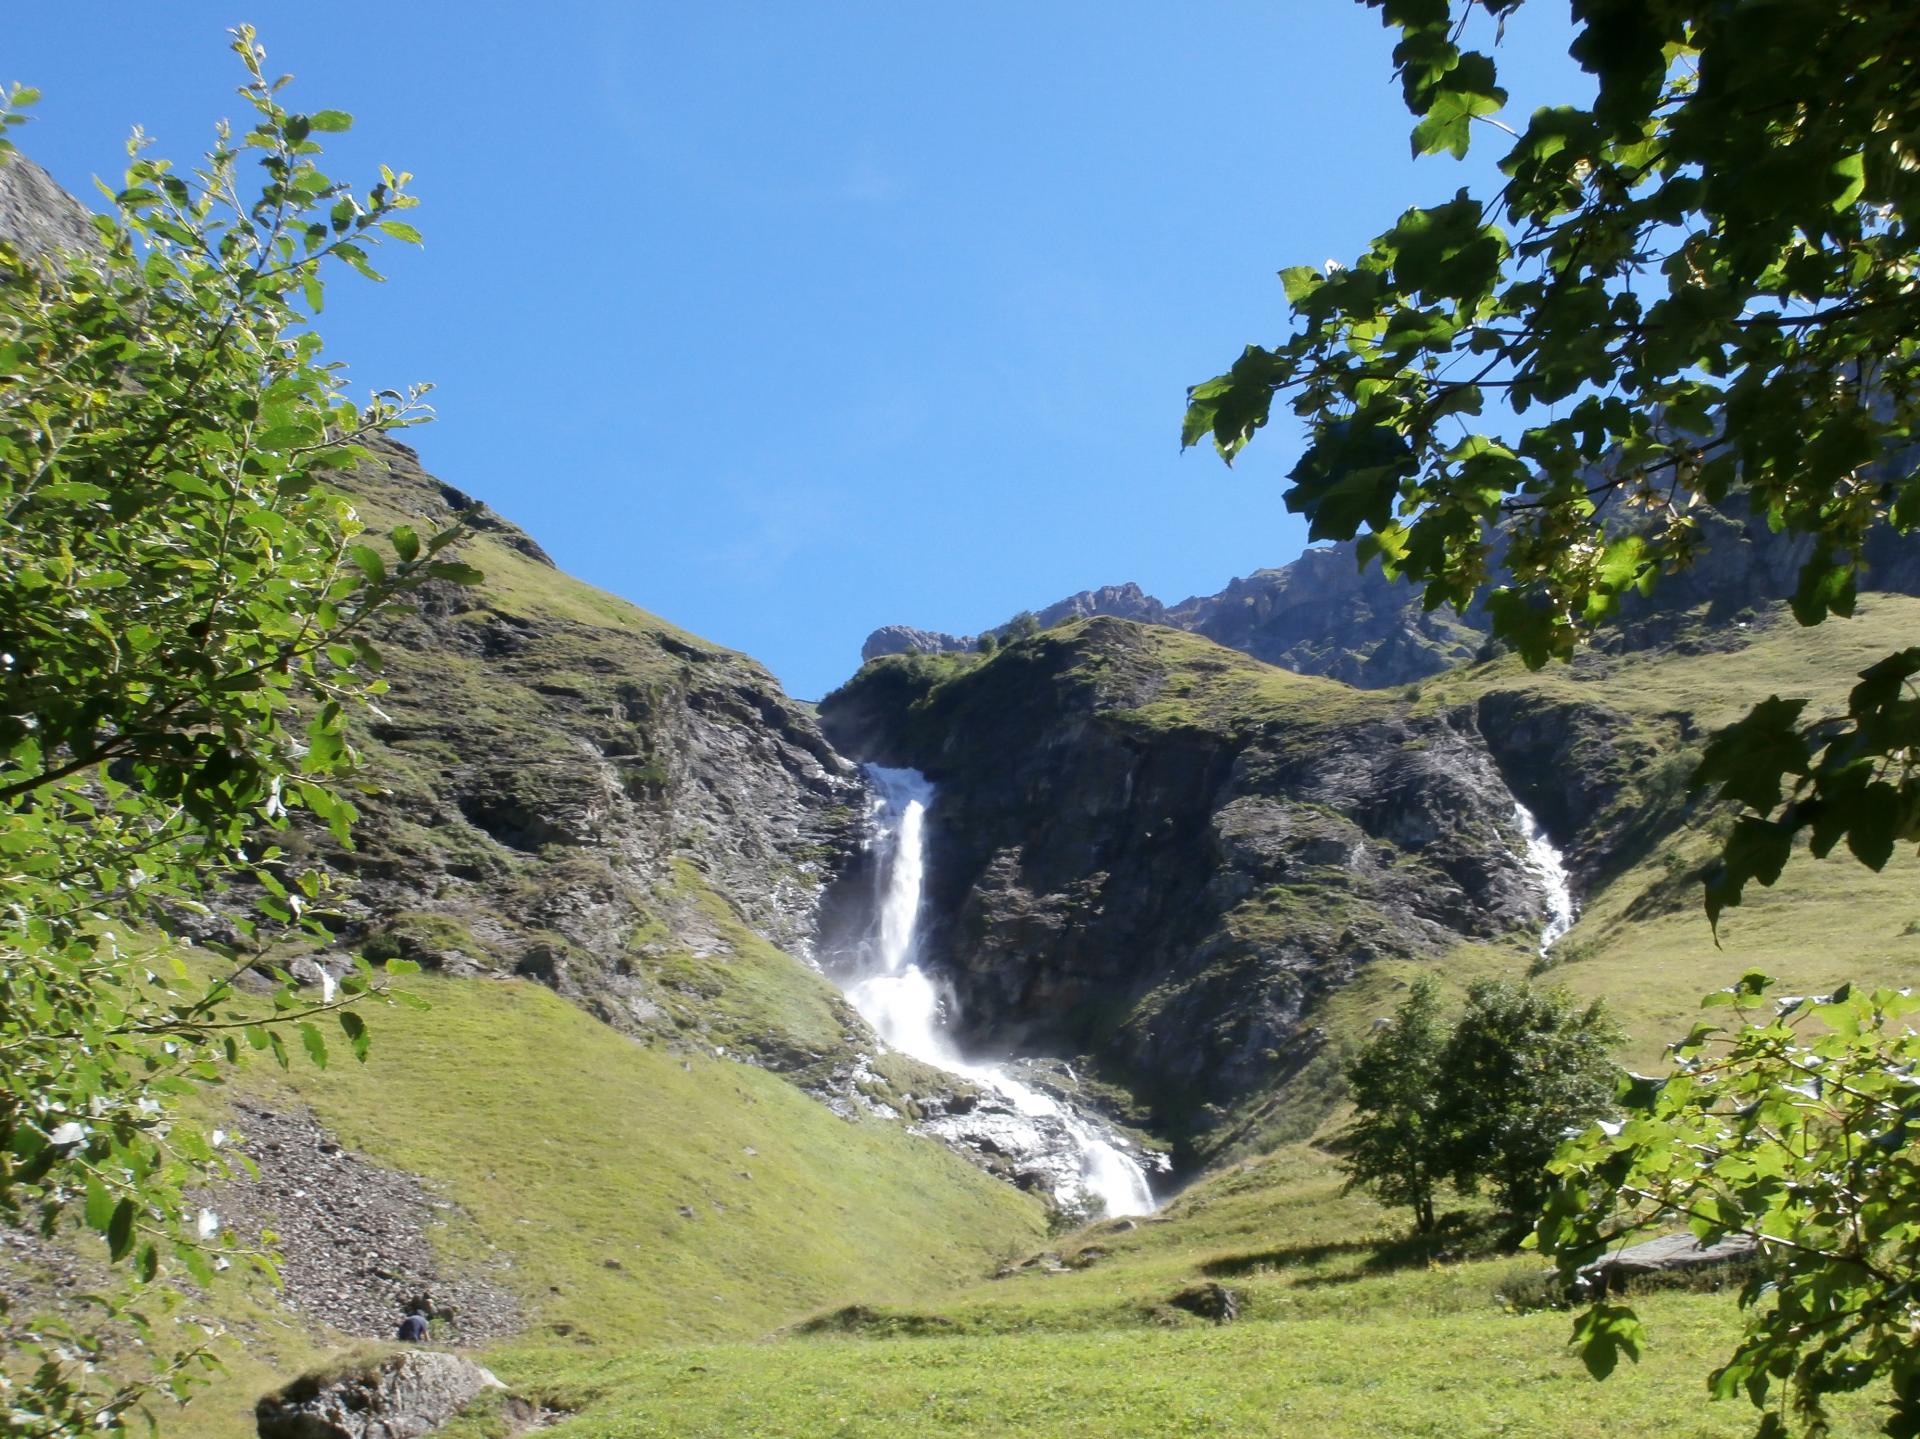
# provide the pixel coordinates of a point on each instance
(1794, 1127)
(1487, 1101)
(183, 622)
(1396, 1144)
(1023, 626)
(1521, 1068)
(1696, 290)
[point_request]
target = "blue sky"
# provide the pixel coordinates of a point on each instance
(786, 321)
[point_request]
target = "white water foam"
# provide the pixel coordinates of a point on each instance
(906, 1007)
(1550, 869)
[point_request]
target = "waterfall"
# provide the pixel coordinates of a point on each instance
(1084, 1163)
(1550, 869)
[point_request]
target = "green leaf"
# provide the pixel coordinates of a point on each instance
(99, 1206)
(1349, 477)
(406, 543)
(314, 1042)
(1851, 174)
(120, 1230)
(1749, 759)
(401, 230)
(1758, 849)
(331, 122)
(369, 563)
(1604, 1333)
(356, 1032)
(1299, 281)
(1467, 90)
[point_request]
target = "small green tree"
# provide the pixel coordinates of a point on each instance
(1794, 1126)
(1022, 626)
(184, 615)
(1521, 1070)
(1484, 1101)
(1397, 1145)
(987, 643)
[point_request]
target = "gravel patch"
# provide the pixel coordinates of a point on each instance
(353, 1235)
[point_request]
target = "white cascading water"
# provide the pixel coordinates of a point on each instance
(1551, 870)
(905, 1007)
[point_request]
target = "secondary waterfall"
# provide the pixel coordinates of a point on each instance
(1550, 869)
(1084, 1165)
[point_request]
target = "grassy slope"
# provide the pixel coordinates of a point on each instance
(570, 1151)
(1146, 679)
(1343, 1332)
(587, 672)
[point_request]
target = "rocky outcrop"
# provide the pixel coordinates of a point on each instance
(1160, 854)
(37, 215)
(1125, 602)
(403, 1396)
(1671, 1258)
(1601, 785)
(906, 640)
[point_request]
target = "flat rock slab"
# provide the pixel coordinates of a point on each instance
(1670, 1254)
(403, 1396)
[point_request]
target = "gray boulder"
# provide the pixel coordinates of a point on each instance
(1671, 1254)
(403, 1396)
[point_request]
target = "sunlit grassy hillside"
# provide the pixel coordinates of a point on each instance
(1345, 1330)
(629, 1194)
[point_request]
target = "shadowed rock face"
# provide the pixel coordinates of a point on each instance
(1172, 894)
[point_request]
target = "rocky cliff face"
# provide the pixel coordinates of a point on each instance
(1324, 615)
(1157, 853)
(576, 792)
(37, 215)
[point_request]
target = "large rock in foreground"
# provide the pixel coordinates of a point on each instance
(403, 1396)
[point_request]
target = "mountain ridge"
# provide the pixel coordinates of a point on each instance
(1325, 613)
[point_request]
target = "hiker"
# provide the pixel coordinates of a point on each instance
(413, 1329)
